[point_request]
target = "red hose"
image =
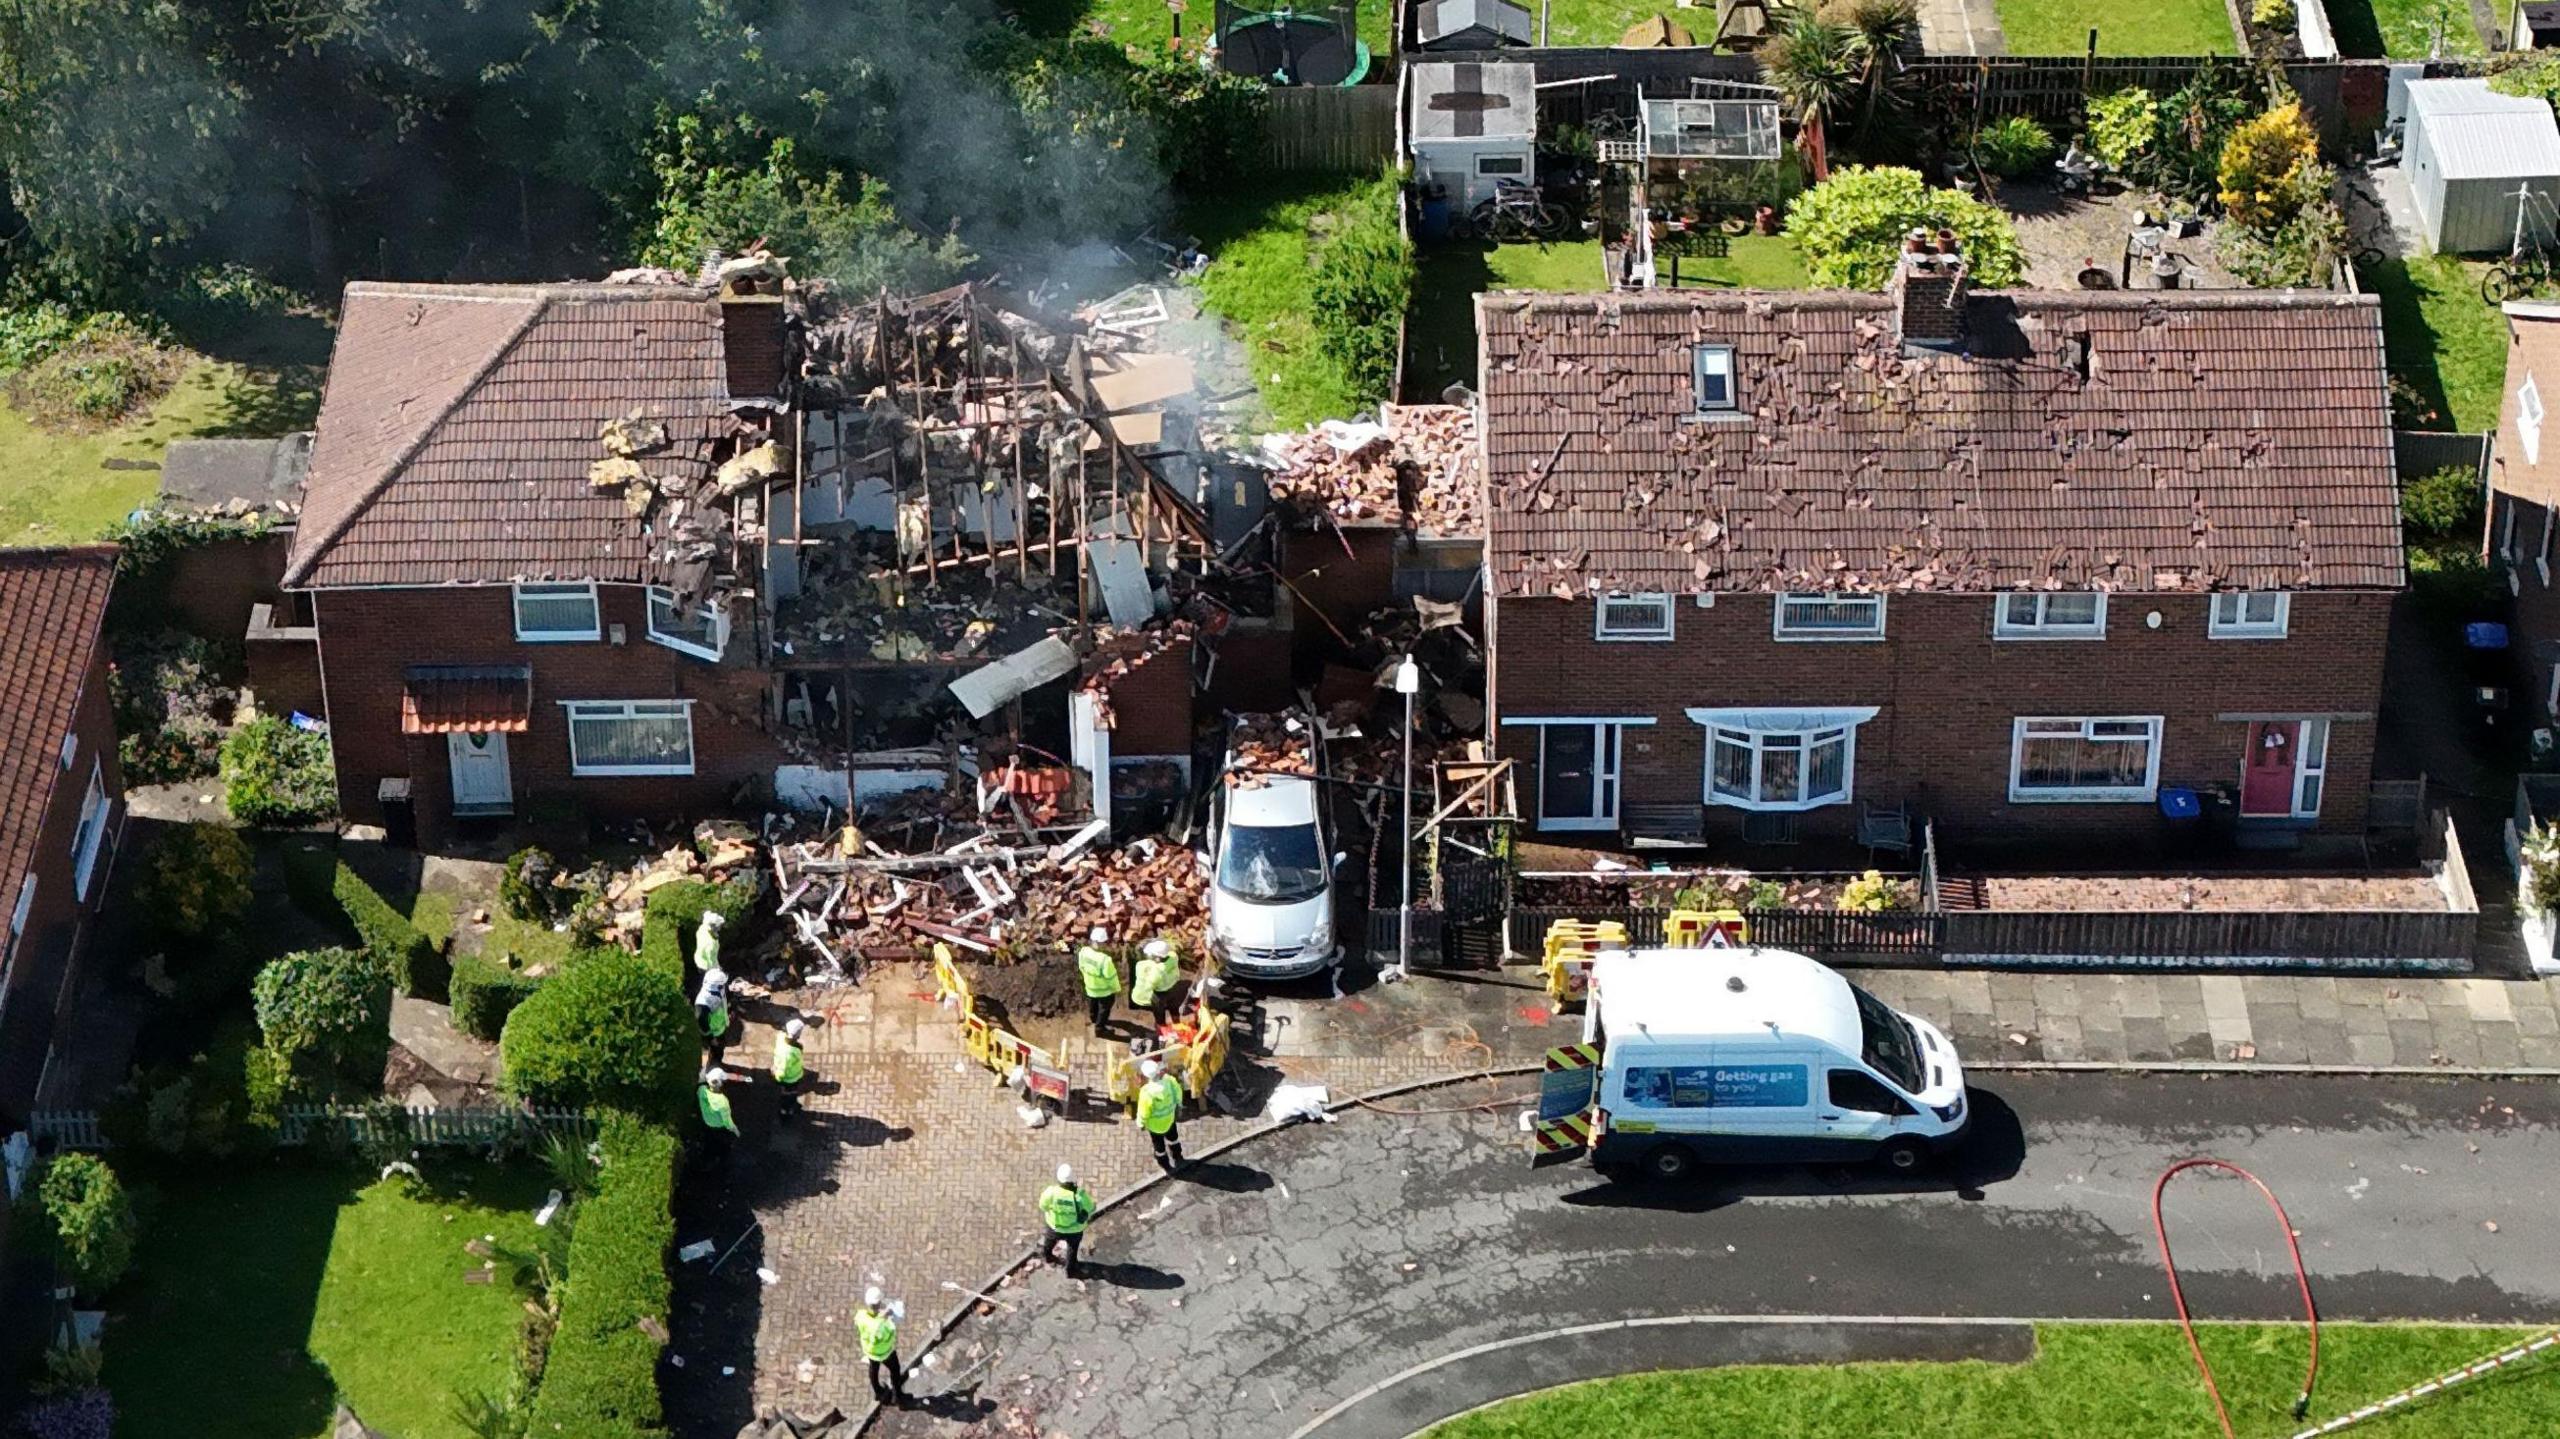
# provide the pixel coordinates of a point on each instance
(2178, 1293)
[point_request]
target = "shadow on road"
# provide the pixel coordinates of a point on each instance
(1128, 1275)
(956, 1406)
(1226, 1178)
(1992, 1150)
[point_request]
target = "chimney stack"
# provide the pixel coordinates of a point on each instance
(753, 325)
(1928, 292)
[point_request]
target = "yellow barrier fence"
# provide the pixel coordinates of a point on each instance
(1571, 946)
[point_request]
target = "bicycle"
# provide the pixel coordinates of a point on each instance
(2527, 268)
(1514, 211)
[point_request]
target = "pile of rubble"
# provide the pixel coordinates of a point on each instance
(863, 603)
(1417, 466)
(1261, 744)
(718, 851)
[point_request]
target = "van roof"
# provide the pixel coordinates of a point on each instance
(1674, 996)
(1275, 800)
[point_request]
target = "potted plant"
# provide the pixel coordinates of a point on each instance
(2538, 893)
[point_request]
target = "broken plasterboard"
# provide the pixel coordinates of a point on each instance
(1120, 567)
(981, 690)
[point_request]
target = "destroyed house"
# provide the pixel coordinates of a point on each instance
(2028, 565)
(639, 549)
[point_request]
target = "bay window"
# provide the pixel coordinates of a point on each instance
(1780, 759)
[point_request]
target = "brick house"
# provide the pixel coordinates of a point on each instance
(2524, 494)
(497, 624)
(2018, 561)
(61, 809)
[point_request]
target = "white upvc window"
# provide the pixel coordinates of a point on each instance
(26, 905)
(1828, 617)
(70, 748)
(2250, 615)
(1632, 617)
(612, 737)
(1781, 759)
(2062, 615)
(2529, 420)
(554, 613)
(91, 835)
(2085, 759)
(701, 631)
(1711, 379)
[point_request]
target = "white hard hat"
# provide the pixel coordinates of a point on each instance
(793, 1028)
(715, 1076)
(1066, 1174)
(1158, 948)
(871, 1297)
(715, 975)
(1100, 935)
(714, 918)
(1150, 1068)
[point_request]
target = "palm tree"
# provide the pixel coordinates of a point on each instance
(1813, 64)
(1882, 30)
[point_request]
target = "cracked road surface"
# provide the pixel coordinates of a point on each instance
(1303, 1268)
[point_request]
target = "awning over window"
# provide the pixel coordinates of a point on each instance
(467, 699)
(1783, 721)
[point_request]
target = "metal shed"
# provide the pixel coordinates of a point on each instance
(2479, 163)
(1472, 126)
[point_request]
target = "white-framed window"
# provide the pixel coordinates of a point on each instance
(2311, 768)
(702, 631)
(1762, 769)
(2063, 615)
(1829, 617)
(2529, 420)
(550, 613)
(1502, 164)
(70, 748)
(1632, 617)
(608, 737)
(2250, 615)
(91, 835)
(2085, 759)
(1711, 379)
(26, 906)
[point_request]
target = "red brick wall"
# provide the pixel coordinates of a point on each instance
(2535, 639)
(1946, 694)
(1151, 705)
(41, 960)
(210, 587)
(284, 664)
(368, 638)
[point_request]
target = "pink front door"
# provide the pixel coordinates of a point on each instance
(2266, 780)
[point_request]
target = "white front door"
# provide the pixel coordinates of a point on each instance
(481, 784)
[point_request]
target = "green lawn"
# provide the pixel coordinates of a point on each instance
(269, 1292)
(2124, 1381)
(62, 488)
(2446, 345)
(1260, 239)
(2172, 27)
(2401, 29)
(1440, 339)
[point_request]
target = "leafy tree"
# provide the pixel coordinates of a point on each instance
(1850, 227)
(2195, 120)
(2265, 164)
(2446, 504)
(709, 199)
(326, 1016)
(610, 1029)
(2122, 125)
(88, 1221)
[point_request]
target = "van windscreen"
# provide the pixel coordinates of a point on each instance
(1889, 1047)
(1272, 864)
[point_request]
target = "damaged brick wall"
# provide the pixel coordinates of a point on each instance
(1946, 695)
(369, 638)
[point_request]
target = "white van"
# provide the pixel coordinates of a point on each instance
(1271, 866)
(1759, 1055)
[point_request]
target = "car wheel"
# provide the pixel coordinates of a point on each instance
(1670, 1162)
(1904, 1156)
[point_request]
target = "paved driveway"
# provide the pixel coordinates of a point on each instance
(1325, 1260)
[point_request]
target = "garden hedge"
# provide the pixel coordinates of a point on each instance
(485, 993)
(601, 1380)
(416, 966)
(610, 1029)
(674, 910)
(276, 773)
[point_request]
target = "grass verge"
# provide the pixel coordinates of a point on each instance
(2401, 29)
(282, 1290)
(2126, 1381)
(1262, 240)
(2447, 347)
(2061, 27)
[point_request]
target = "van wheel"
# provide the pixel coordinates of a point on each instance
(1904, 1156)
(1670, 1162)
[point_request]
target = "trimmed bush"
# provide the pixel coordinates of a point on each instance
(326, 1016)
(675, 910)
(485, 994)
(610, 1029)
(600, 1379)
(1850, 228)
(275, 773)
(415, 966)
(2270, 168)
(197, 884)
(88, 1222)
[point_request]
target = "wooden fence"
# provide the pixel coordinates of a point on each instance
(423, 1125)
(1332, 129)
(2211, 939)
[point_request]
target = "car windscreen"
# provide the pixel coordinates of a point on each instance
(1272, 864)
(1889, 1047)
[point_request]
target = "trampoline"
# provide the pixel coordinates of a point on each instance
(1291, 47)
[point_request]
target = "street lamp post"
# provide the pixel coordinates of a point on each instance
(1408, 683)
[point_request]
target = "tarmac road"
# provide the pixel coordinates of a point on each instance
(1304, 1269)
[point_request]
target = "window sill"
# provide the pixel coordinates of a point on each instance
(1553, 825)
(1863, 637)
(585, 639)
(630, 771)
(2023, 636)
(1726, 801)
(2083, 796)
(2244, 634)
(1715, 417)
(682, 648)
(1633, 639)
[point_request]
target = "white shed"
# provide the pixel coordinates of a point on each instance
(1473, 125)
(2475, 159)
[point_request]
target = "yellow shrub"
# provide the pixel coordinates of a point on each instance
(2264, 164)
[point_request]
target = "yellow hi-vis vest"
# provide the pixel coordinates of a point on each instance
(715, 1108)
(1159, 1099)
(1064, 1210)
(1101, 973)
(1154, 977)
(878, 1332)
(787, 1065)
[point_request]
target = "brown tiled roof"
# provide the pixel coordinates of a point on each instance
(2533, 350)
(459, 421)
(468, 699)
(2231, 439)
(53, 604)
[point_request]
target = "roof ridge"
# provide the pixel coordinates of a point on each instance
(301, 570)
(95, 549)
(528, 290)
